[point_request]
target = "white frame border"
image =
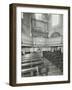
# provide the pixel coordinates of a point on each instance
(63, 77)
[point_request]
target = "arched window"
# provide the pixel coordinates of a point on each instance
(55, 34)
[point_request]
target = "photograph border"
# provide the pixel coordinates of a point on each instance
(12, 43)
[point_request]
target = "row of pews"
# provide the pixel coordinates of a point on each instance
(30, 64)
(55, 57)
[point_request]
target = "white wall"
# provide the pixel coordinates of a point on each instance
(4, 45)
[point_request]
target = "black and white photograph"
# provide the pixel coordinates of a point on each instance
(41, 44)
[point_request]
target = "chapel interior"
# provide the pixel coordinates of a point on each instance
(41, 44)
